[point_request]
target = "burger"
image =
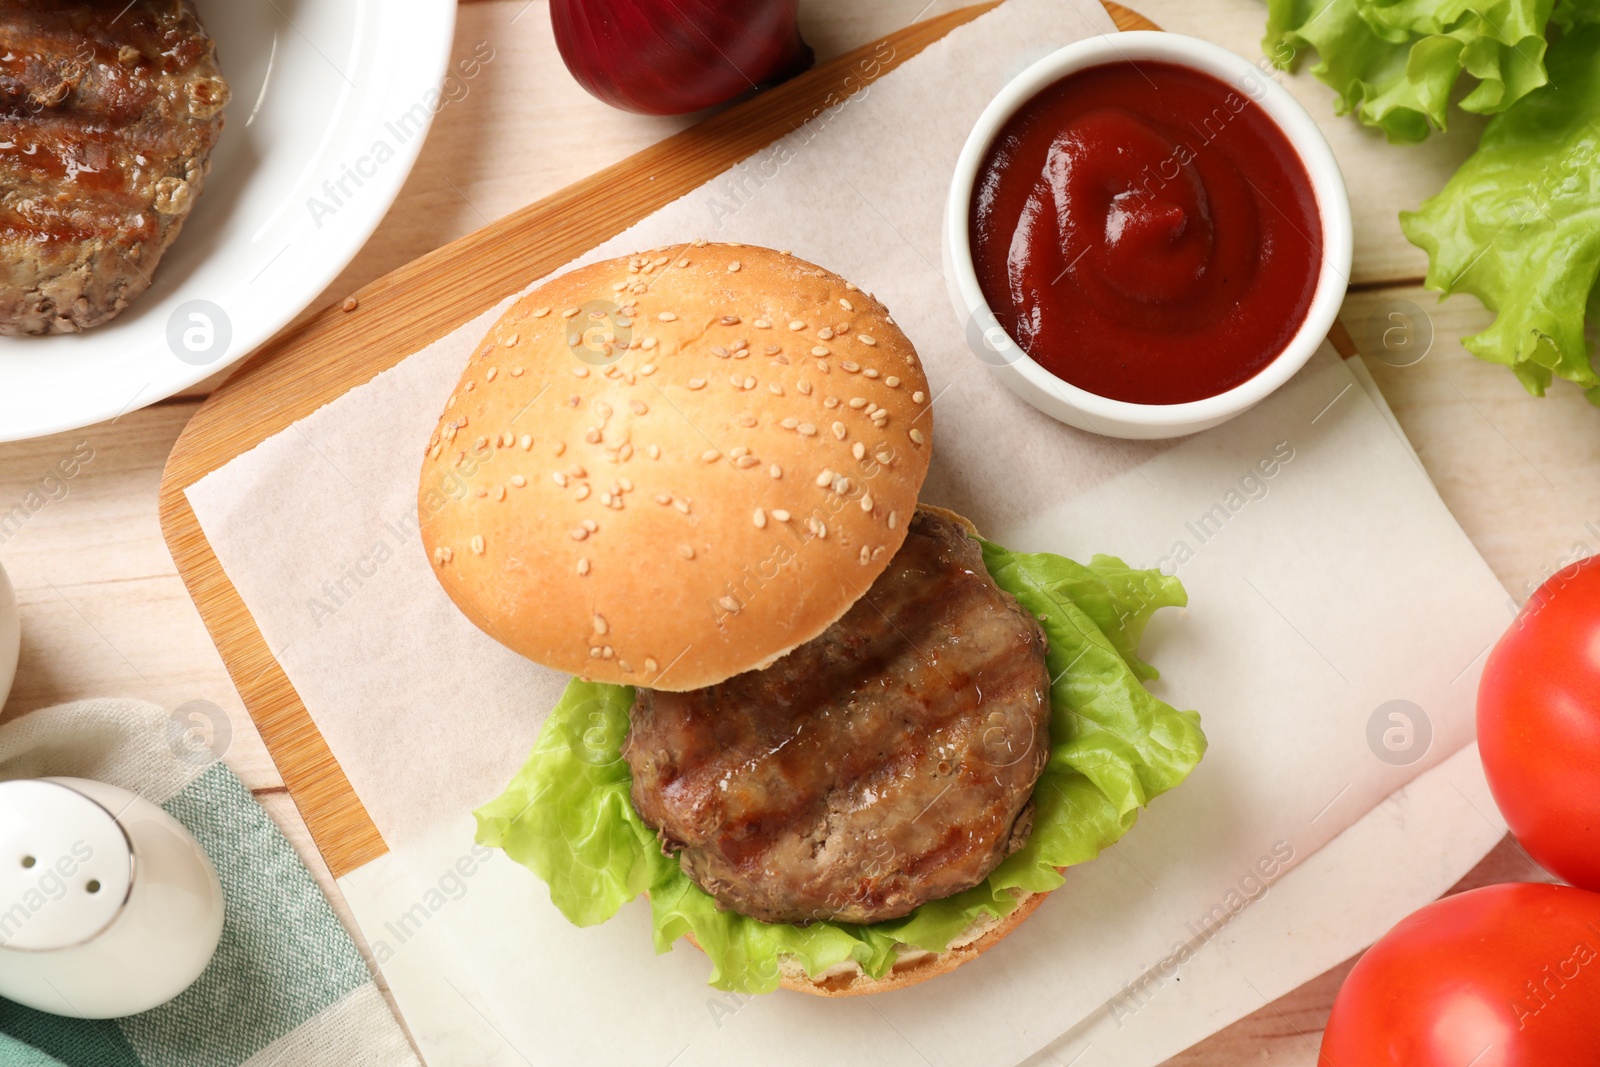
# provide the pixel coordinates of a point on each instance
(842, 743)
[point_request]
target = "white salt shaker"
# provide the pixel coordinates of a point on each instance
(108, 906)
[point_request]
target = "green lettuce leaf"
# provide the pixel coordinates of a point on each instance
(1114, 748)
(1395, 63)
(1518, 226)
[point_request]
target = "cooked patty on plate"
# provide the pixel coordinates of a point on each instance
(108, 114)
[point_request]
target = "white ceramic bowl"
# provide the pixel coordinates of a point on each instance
(1089, 411)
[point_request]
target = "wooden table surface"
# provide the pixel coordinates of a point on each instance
(104, 613)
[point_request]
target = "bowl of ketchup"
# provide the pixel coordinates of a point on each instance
(1146, 235)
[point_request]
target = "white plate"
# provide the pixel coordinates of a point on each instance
(323, 90)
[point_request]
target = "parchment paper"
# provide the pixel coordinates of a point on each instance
(1327, 596)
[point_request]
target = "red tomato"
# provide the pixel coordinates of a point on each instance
(1506, 976)
(1539, 724)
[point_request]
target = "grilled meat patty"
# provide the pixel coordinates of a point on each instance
(108, 114)
(889, 762)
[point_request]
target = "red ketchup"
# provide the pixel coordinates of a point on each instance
(1146, 232)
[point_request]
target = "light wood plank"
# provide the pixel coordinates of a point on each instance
(103, 611)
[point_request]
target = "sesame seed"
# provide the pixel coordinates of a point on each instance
(760, 519)
(482, 491)
(605, 499)
(775, 388)
(858, 402)
(594, 652)
(590, 525)
(540, 313)
(667, 316)
(481, 443)
(871, 372)
(648, 343)
(583, 492)
(650, 665)
(762, 324)
(780, 515)
(699, 242)
(580, 372)
(866, 555)
(733, 268)
(627, 668)
(892, 382)
(638, 407)
(820, 350)
(918, 397)
(686, 551)
(559, 478)
(846, 304)
(749, 383)
(516, 372)
(663, 499)
(790, 423)
(600, 625)
(850, 286)
(518, 481)
(477, 544)
(681, 505)
(807, 430)
(619, 286)
(839, 432)
(567, 314)
(825, 479)
(831, 402)
(710, 455)
(654, 451)
(858, 450)
(647, 370)
(697, 383)
(729, 604)
(746, 462)
(826, 333)
(499, 492)
(583, 567)
(916, 436)
(593, 436)
(866, 339)
(851, 366)
(447, 553)
(561, 446)
(682, 263)
(797, 325)
(894, 519)
(625, 485)
(489, 374)
(660, 261)
(607, 652)
(866, 503)
(842, 485)
(804, 387)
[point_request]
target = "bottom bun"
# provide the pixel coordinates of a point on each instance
(913, 965)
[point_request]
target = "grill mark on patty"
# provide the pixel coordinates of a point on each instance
(888, 762)
(109, 110)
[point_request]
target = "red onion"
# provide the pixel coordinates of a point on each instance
(669, 57)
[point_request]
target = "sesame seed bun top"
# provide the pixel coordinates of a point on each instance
(667, 469)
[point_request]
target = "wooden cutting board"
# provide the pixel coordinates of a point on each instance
(310, 365)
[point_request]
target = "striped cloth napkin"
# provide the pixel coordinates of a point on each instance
(287, 985)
